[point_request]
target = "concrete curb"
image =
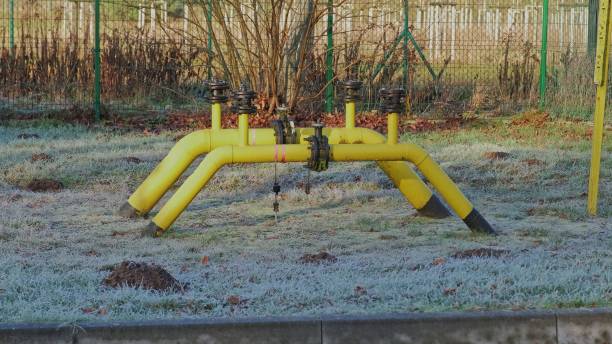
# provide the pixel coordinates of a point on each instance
(562, 327)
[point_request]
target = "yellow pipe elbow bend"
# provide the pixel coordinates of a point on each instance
(190, 188)
(408, 182)
(166, 173)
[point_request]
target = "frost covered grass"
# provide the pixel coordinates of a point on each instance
(56, 247)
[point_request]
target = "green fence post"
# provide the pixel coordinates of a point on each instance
(11, 25)
(209, 43)
(329, 59)
(592, 33)
(97, 71)
(405, 65)
(543, 53)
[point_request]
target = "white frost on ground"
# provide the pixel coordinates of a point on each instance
(56, 247)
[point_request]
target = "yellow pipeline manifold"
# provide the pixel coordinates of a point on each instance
(245, 145)
(301, 153)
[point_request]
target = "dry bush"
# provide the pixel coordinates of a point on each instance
(516, 70)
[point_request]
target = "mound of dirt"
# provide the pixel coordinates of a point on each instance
(26, 136)
(44, 185)
(40, 157)
(318, 258)
(484, 252)
(532, 162)
(496, 155)
(142, 275)
(132, 160)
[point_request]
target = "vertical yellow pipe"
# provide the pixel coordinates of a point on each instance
(349, 114)
(601, 80)
(392, 127)
(243, 129)
(215, 118)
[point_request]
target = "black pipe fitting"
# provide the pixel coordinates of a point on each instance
(319, 150)
(351, 89)
(242, 100)
(216, 91)
(392, 100)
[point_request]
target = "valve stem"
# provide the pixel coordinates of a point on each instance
(276, 189)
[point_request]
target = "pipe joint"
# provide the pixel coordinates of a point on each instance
(392, 100)
(217, 90)
(351, 89)
(242, 100)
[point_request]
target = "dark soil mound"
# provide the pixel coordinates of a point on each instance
(496, 155)
(142, 275)
(132, 160)
(44, 185)
(26, 136)
(40, 157)
(481, 252)
(318, 258)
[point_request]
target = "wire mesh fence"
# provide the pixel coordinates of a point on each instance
(451, 57)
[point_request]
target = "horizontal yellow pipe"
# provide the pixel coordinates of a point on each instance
(203, 141)
(300, 153)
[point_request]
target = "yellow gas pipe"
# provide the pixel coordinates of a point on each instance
(215, 117)
(168, 171)
(243, 129)
(301, 153)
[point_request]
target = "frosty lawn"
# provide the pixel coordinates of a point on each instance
(57, 247)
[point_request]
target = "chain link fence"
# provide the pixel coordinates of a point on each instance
(452, 57)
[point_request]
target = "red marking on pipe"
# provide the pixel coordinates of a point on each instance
(275, 153)
(284, 159)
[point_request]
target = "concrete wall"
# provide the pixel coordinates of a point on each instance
(579, 326)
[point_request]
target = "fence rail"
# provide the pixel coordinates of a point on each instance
(451, 56)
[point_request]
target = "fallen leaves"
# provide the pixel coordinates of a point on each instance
(484, 252)
(438, 261)
(132, 160)
(496, 155)
(40, 157)
(204, 260)
(449, 291)
(531, 118)
(321, 257)
(92, 310)
(360, 291)
(233, 300)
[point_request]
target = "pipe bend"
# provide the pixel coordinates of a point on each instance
(194, 144)
(371, 136)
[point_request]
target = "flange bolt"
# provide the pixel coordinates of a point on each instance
(242, 100)
(392, 100)
(217, 90)
(351, 90)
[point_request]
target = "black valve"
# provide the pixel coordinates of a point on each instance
(319, 150)
(242, 100)
(352, 88)
(392, 100)
(284, 127)
(217, 90)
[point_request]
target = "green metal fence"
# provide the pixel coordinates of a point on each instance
(153, 55)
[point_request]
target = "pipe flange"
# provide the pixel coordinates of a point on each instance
(242, 100)
(217, 90)
(392, 100)
(352, 88)
(319, 150)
